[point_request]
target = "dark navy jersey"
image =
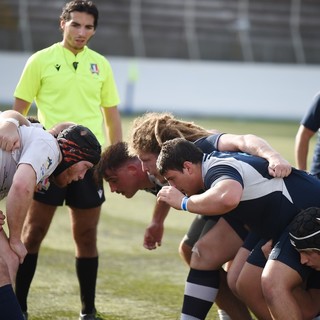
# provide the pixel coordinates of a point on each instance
(206, 144)
(311, 120)
(268, 204)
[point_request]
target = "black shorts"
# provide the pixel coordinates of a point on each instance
(83, 194)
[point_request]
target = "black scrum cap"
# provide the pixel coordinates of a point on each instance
(304, 230)
(77, 143)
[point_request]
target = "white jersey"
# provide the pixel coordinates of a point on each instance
(38, 148)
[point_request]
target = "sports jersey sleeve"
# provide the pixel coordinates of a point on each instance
(208, 144)
(30, 80)
(311, 120)
(109, 91)
(39, 149)
(219, 173)
(43, 161)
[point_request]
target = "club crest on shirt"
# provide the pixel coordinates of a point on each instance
(49, 162)
(94, 68)
(45, 166)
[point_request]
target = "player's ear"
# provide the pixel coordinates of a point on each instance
(188, 167)
(62, 24)
(132, 169)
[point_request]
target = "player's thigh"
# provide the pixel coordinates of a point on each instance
(219, 245)
(84, 222)
(36, 224)
(236, 266)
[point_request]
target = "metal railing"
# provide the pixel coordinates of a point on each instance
(238, 30)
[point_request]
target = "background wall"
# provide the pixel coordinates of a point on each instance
(250, 90)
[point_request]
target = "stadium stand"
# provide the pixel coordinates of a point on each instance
(271, 31)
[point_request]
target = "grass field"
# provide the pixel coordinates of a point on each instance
(133, 283)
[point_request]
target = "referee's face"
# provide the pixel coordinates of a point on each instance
(77, 31)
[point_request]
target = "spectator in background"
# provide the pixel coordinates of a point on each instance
(70, 82)
(310, 124)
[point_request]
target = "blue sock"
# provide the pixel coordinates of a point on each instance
(9, 306)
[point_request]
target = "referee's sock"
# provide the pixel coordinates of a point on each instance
(200, 293)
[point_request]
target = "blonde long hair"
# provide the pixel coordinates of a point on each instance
(152, 129)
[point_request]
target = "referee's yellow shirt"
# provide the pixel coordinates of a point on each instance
(68, 87)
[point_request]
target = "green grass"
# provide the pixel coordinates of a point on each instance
(133, 283)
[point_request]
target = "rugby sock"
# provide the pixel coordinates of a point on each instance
(200, 293)
(24, 278)
(223, 315)
(9, 306)
(87, 269)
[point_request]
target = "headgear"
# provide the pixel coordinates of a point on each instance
(77, 143)
(304, 230)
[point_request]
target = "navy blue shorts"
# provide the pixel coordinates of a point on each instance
(284, 252)
(256, 256)
(82, 194)
(314, 280)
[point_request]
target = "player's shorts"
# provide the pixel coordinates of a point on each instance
(199, 227)
(256, 256)
(313, 280)
(82, 194)
(202, 224)
(284, 252)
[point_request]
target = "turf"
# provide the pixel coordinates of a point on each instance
(133, 283)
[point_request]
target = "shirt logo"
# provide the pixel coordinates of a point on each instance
(94, 68)
(100, 193)
(49, 163)
(57, 66)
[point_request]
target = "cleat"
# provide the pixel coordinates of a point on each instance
(91, 316)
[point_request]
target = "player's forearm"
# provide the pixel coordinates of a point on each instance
(259, 147)
(301, 152)
(19, 199)
(160, 212)
(21, 106)
(113, 121)
(16, 208)
(7, 114)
